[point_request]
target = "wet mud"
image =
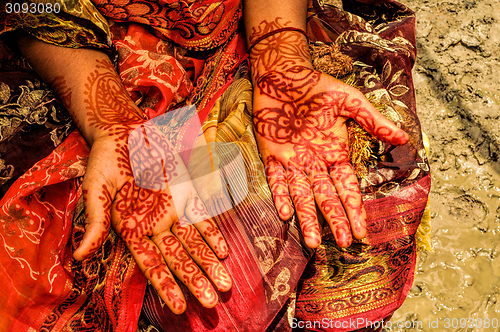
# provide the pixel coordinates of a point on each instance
(457, 81)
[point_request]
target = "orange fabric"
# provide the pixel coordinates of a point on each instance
(197, 25)
(44, 288)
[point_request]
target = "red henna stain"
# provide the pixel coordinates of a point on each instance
(60, 87)
(197, 248)
(198, 208)
(278, 50)
(138, 211)
(304, 112)
(106, 205)
(108, 103)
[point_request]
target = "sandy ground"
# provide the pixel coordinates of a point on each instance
(457, 75)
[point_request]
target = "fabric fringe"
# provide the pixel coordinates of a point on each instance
(328, 59)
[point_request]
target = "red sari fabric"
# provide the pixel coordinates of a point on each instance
(44, 288)
(42, 214)
(197, 25)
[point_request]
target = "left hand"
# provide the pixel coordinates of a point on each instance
(299, 118)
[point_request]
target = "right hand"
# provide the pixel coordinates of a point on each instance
(299, 117)
(163, 229)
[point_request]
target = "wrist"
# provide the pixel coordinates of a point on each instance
(279, 50)
(116, 121)
(103, 126)
(109, 109)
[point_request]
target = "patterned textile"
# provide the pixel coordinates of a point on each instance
(267, 257)
(196, 25)
(78, 24)
(370, 279)
(31, 118)
(42, 215)
(47, 289)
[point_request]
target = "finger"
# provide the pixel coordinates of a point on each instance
(331, 207)
(98, 200)
(277, 181)
(201, 253)
(197, 215)
(346, 184)
(303, 199)
(356, 106)
(181, 264)
(150, 261)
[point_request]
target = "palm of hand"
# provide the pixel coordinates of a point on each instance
(162, 232)
(299, 119)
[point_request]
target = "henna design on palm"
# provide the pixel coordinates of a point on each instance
(299, 119)
(132, 168)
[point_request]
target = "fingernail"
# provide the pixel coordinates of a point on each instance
(223, 252)
(343, 239)
(285, 211)
(403, 137)
(312, 241)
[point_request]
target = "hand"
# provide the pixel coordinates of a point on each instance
(299, 118)
(160, 217)
(136, 183)
(160, 227)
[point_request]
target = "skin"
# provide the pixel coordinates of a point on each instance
(299, 119)
(167, 233)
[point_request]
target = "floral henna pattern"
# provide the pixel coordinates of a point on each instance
(140, 210)
(299, 119)
(278, 50)
(179, 261)
(276, 84)
(109, 109)
(136, 166)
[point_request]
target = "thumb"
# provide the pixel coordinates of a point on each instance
(357, 107)
(98, 200)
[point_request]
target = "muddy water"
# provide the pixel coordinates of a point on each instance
(457, 80)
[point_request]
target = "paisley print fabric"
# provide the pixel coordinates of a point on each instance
(197, 25)
(370, 279)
